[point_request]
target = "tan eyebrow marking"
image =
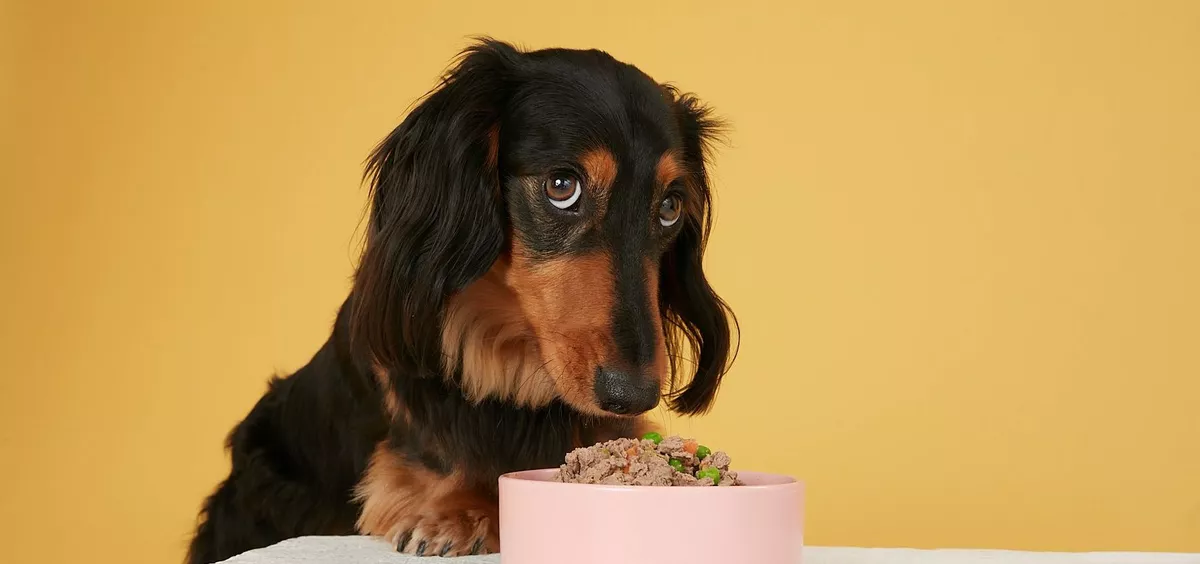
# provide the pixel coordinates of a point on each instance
(601, 168)
(669, 168)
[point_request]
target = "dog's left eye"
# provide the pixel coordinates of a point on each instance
(669, 211)
(563, 190)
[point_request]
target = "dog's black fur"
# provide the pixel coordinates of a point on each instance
(450, 200)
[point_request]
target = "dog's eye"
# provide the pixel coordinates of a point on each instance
(669, 211)
(563, 190)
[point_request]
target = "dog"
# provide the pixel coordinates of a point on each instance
(531, 282)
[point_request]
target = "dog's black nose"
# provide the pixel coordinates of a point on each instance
(625, 393)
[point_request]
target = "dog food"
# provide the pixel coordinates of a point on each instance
(650, 461)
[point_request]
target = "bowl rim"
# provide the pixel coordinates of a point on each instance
(522, 476)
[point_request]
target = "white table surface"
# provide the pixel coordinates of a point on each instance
(367, 550)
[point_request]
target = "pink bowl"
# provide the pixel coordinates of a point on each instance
(547, 522)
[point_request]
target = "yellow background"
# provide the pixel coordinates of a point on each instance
(963, 239)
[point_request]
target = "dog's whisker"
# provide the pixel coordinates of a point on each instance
(530, 378)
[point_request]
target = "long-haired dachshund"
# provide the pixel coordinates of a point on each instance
(531, 282)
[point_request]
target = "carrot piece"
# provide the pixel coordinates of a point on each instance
(691, 446)
(630, 455)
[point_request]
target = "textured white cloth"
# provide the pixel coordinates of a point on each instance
(366, 550)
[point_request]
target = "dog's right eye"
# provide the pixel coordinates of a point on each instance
(563, 190)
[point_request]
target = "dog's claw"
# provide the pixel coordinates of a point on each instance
(403, 541)
(450, 535)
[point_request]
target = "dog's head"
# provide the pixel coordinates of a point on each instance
(536, 233)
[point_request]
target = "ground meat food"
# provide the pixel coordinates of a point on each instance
(633, 462)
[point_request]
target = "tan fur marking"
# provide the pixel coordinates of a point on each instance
(392, 488)
(669, 168)
(568, 303)
(601, 168)
(485, 333)
(397, 496)
(385, 387)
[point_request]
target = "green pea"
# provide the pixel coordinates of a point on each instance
(712, 473)
(677, 465)
(702, 452)
(652, 436)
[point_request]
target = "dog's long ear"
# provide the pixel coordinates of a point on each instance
(437, 221)
(696, 316)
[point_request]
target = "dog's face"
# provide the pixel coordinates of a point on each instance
(566, 207)
(595, 192)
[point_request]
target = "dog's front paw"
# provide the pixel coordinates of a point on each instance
(446, 534)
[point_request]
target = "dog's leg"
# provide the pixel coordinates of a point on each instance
(423, 512)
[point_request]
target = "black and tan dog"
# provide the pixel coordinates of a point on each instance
(532, 275)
